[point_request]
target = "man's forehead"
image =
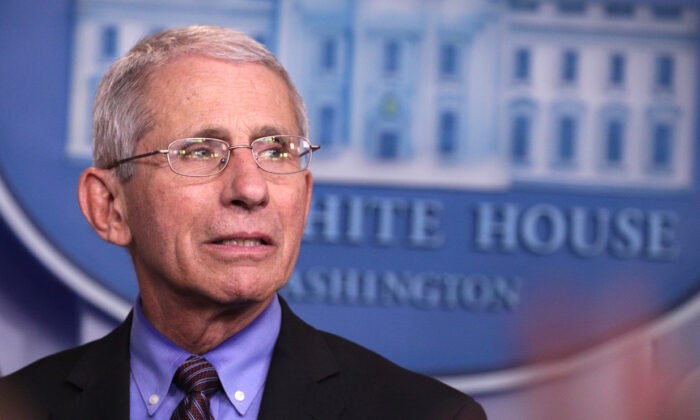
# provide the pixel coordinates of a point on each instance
(181, 89)
(184, 78)
(190, 68)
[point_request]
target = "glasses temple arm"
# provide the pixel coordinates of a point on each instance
(313, 148)
(129, 159)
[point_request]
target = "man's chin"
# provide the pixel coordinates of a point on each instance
(241, 297)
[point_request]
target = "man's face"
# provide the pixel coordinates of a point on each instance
(229, 238)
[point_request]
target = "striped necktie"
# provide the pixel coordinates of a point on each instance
(198, 378)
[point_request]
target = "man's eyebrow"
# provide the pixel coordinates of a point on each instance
(270, 130)
(213, 133)
(222, 133)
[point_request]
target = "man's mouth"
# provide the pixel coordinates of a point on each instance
(242, 242)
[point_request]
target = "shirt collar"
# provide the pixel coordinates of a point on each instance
(241, 362)
(244, 375)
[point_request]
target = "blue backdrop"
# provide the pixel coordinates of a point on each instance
(501, 182)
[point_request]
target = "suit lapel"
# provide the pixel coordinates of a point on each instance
(304, 380)
(100, 380)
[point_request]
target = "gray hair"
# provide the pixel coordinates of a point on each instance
(120, 116)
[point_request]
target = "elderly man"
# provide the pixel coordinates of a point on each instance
(201, 161)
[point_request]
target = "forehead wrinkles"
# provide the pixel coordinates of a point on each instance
(196, 90)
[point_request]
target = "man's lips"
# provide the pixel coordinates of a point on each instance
(255, 246)
(241, 242)
(247, 240)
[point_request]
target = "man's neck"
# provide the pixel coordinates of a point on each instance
(199, 327)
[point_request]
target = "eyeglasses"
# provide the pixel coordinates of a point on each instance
(281, 154)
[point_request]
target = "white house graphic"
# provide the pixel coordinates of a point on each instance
(468, 94)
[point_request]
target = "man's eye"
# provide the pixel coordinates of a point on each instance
(199, 153)
(274, 152)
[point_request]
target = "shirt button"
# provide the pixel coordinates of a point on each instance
(153, 399)
(239, 396)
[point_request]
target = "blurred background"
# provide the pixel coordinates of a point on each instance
(506, 197)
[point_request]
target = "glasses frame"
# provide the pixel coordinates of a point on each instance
(312, 148)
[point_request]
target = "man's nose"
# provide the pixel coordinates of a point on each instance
(247, 185)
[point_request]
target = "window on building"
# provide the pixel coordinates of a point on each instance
(388, 145)
(448, 133)
(566, 151)
(328, 55)
(619, 10)
(617, 70)
(664, 72)
(614, 142)
(662, 145)
(524, 5)
(522, 65)
(392, 55)
(569, 67)
(448, 60)
(520, 139)
(108, 42)
(667, 11)
(327, 125)
(572, 7)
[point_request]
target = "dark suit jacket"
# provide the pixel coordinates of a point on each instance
(313, 375)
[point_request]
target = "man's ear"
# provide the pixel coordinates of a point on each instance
(101, 199)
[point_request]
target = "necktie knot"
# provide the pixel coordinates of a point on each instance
(197, 375)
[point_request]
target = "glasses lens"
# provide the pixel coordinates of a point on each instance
(197, 157)
(282, 154)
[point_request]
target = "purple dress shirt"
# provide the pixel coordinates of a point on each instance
(242, 363)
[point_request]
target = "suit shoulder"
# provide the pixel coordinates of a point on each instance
(382, 380)
(29, 392)
(36, 388)
(366, 363)
(48, 369)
